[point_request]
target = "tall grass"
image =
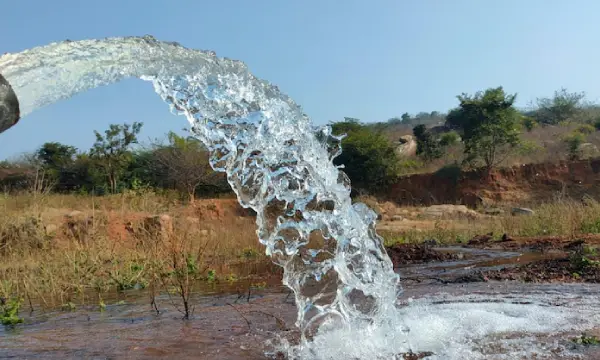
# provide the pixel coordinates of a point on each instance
(53, 256)
(564, 218)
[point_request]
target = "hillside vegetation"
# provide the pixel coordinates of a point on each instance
(484, 131)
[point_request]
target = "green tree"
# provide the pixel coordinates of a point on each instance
(561, 107)
(54, 159)
(427, 146)
(368, 156)
(111, 151)
(184, 163)
(55, 155)
(489, 123)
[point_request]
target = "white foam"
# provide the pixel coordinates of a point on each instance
(462, 327)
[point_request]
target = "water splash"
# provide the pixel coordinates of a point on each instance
(281, 166)
(276, 162)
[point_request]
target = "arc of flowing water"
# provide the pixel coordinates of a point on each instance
(276, 161)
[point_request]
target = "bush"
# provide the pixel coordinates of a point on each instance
(427, 146)
(527, 147)
(368, 157)
(408, 166)
(449, 139)
(529, 123)
(573, 142)
(585, 129)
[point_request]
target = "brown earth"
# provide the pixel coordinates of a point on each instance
(529, 183)
(550, 270)
(404, 254)
(571, 260)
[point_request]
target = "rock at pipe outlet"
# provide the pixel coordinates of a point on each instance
(9, 105)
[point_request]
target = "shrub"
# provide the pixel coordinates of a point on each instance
(527, 147)
(449, 138)
(368, 157)
(573, 142)
(585, 129)
(529, 123)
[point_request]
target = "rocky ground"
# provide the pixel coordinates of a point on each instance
(558, 260)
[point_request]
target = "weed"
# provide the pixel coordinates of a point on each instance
(69, 306)
(9, 311)
(231, 278)
(211, 275)
(587, 340)
(249, 253)
(591, 226)
(581, 263)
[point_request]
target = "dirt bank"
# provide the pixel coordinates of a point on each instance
(567, 260)
(529, 183)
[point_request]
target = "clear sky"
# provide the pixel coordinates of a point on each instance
(372, 60)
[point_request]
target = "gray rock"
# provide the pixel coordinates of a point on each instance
(493, 211)
(521, 211)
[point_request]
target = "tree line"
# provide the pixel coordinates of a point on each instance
(486, 124)
(111, 165)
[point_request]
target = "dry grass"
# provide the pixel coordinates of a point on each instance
(565, 218)
(118, 243)
(54, 256)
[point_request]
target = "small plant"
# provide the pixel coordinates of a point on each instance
(131, 277)
(249, 253)
(580, 262)
(231, 278)
(585, 129)
(587, 340)
(211, 276)
(529, 123)
(591, 226)
(9, 312)
(590, 250)
(460, 239)
(527, 147)
(69, 306)
(407, 166)
(573, 142)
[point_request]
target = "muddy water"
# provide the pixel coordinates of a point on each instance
(227, 323)
(470, 259)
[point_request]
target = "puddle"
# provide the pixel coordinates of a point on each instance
(229, 323)
(470, 259)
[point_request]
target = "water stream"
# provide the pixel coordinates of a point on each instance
(280, 165)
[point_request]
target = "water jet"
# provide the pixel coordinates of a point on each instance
(280, 165)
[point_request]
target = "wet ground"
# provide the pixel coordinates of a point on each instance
(229, 323)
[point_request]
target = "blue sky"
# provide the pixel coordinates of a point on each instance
(372, 60)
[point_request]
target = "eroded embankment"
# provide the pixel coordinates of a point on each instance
(529, 183)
